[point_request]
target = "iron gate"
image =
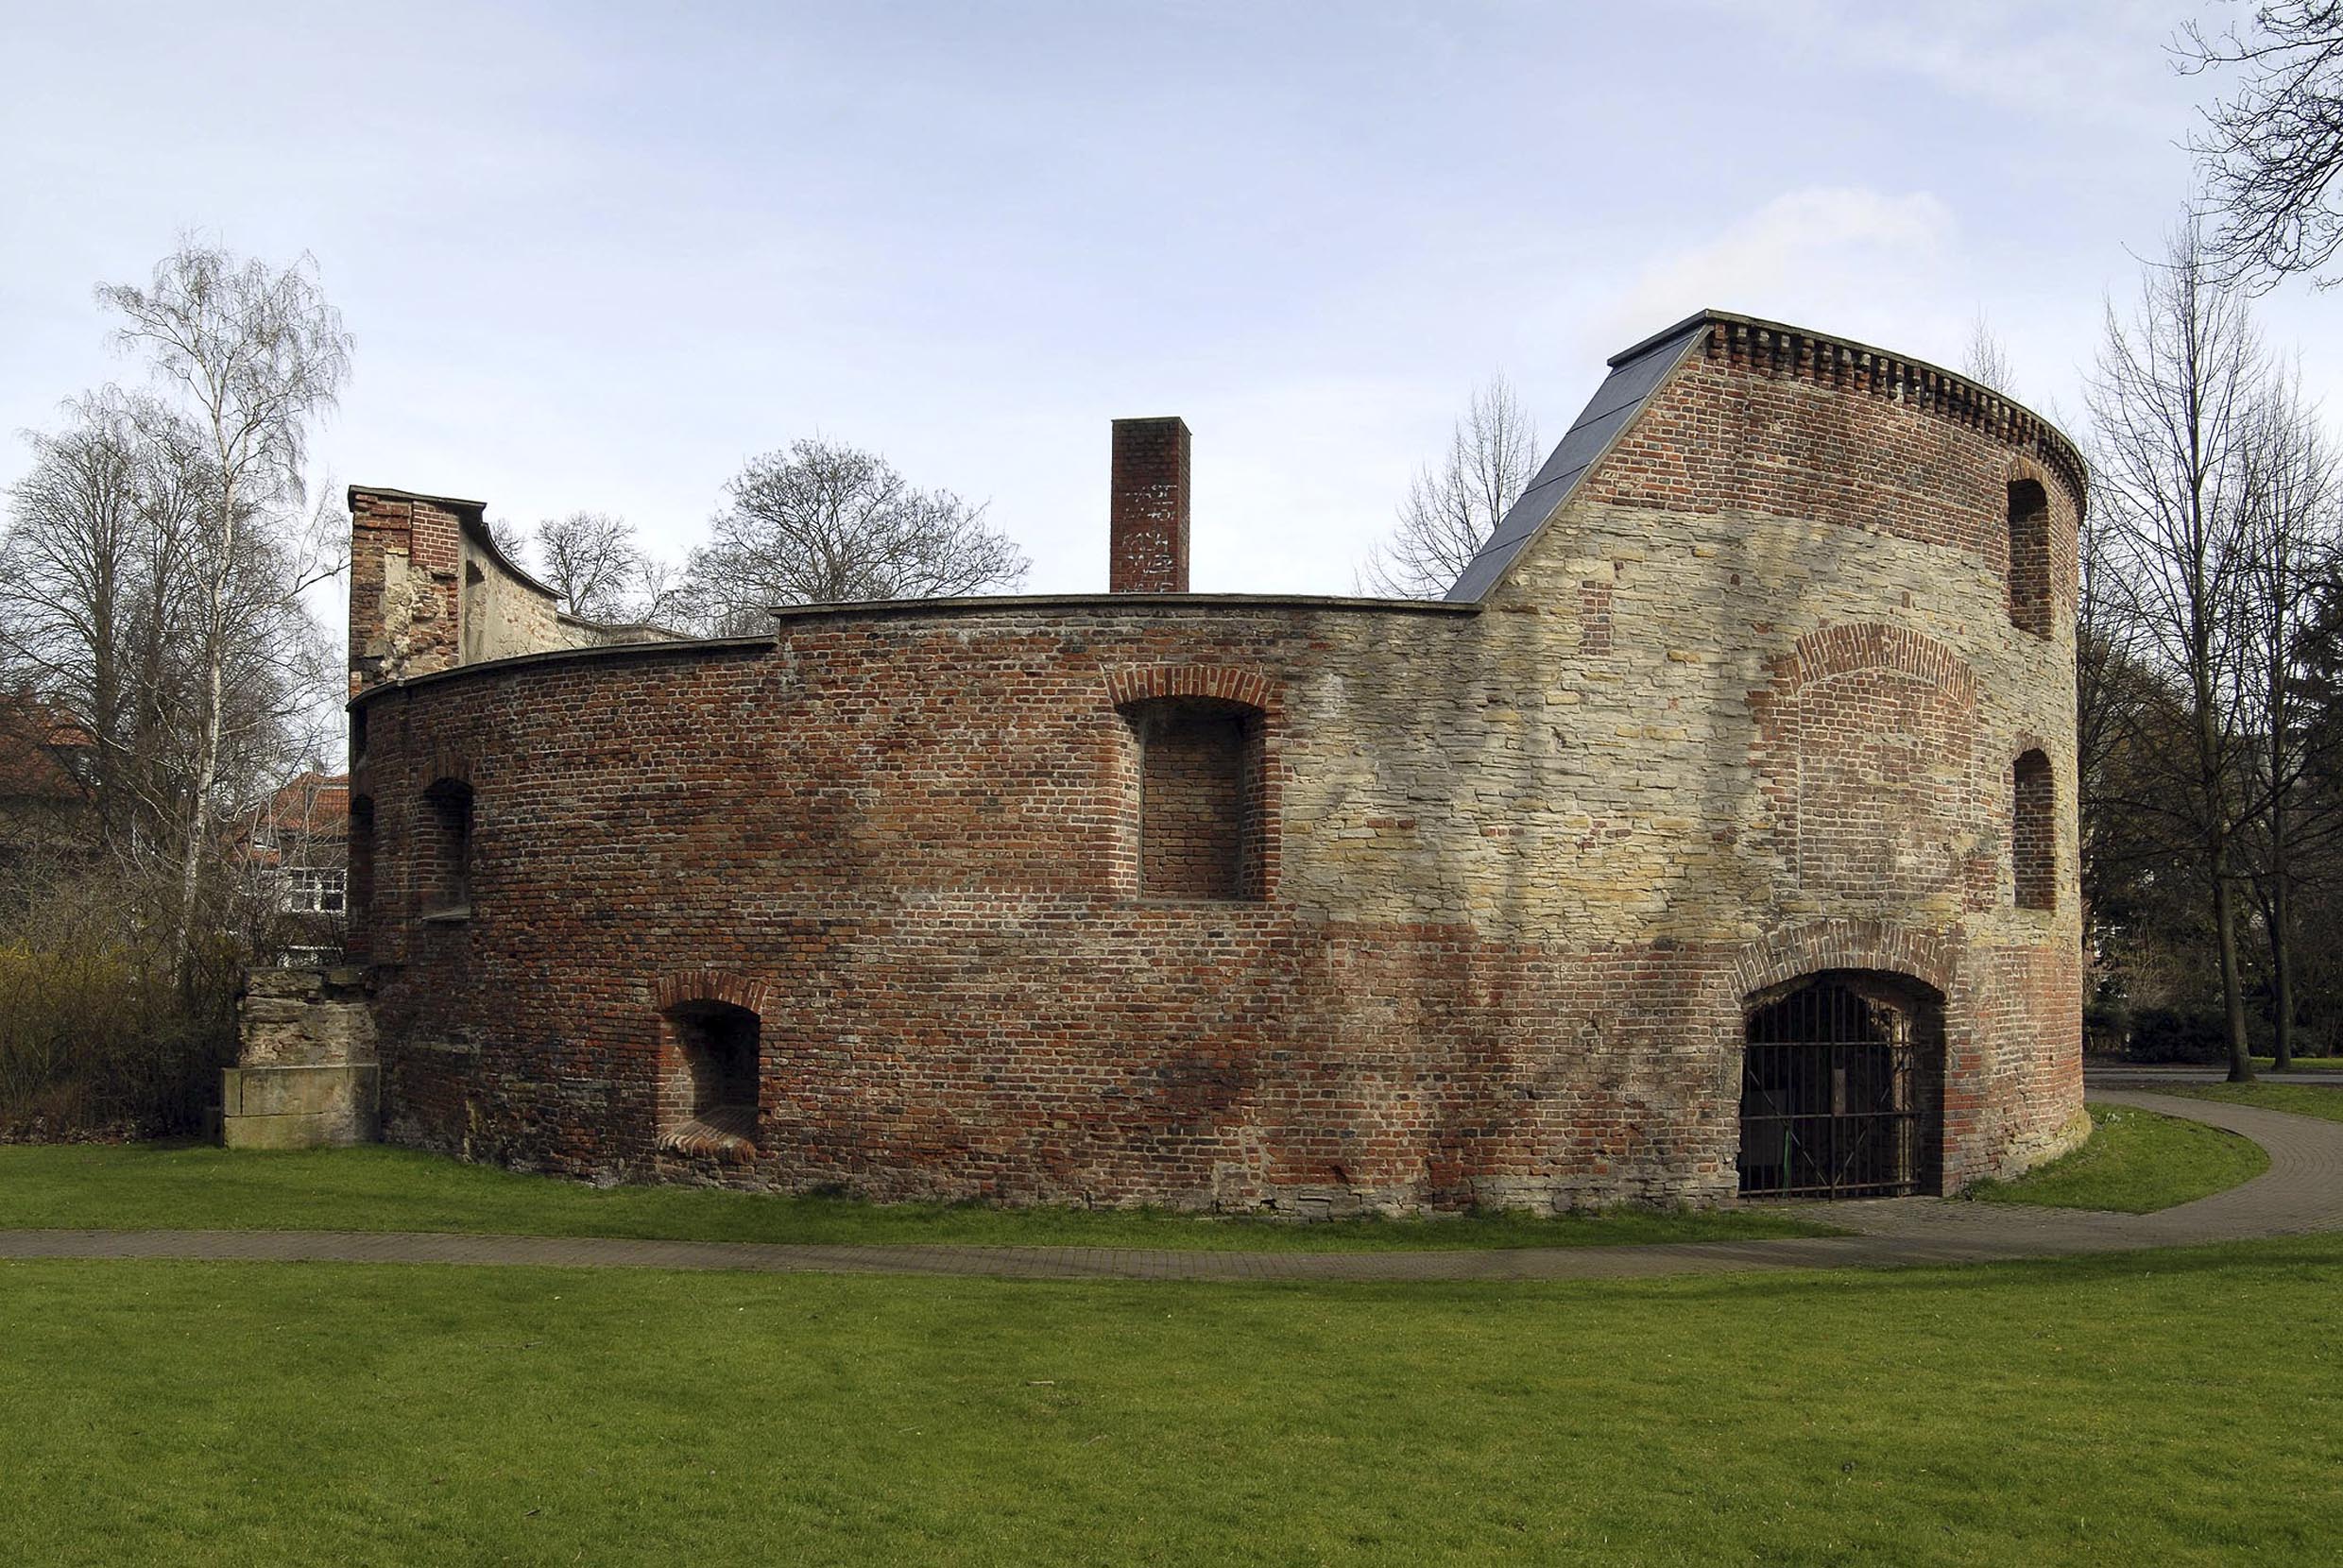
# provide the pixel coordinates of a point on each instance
(1830, 1096)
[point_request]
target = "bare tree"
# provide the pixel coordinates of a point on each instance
(70, 571)
(1984, 361)
(824, 523)
(2172, 402)
(255, 355)
(509, 537)
(1451, 510)
(2268, 153)
(593, 561)
(2293, 500)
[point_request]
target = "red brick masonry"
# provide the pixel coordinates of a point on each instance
(1214, 901)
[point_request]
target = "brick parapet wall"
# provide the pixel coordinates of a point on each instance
(1533, 862)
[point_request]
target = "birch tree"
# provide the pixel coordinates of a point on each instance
(255, 356)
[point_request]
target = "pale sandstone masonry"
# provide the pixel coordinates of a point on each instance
(307, 1076)
(1748, 691)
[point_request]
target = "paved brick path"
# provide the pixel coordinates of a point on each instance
(2302, 1192)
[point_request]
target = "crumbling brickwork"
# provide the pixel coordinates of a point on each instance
(1748, 707)
(429, 590)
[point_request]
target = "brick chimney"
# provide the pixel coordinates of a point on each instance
(1147, 548)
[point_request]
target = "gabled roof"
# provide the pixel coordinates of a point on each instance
(1635, 374)
(42, 748)
(1773, 349)
(313, 804)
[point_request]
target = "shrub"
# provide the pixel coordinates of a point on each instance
(2172, 1035)
(98, 1036)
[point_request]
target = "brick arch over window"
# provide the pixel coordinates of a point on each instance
(1792, 955)
(1868, 736)
(449, 765)
(711, 1064)
(1222, 682)
(707, 985)
(1204, 779)
(1869, 646)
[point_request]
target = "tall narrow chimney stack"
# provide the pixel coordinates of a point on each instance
(1147, 548)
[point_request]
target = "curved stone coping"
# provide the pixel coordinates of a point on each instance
(2299, 1194)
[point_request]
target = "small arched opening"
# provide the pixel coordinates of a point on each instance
(2033, 832)
(360, 915)
(1843, 1087)
(709, 1078)
(443, 850)
(2030, 556)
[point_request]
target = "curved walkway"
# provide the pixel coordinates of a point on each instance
(2301, 1192)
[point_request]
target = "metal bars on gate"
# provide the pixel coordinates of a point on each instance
(1828, 1108)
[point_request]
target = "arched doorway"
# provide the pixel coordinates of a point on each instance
(1842, 1088)
(710, 1071)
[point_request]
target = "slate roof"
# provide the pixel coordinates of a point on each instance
(1635, 373)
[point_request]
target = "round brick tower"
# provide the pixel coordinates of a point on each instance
(1715, 837)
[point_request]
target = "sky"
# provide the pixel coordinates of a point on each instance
(597, 256)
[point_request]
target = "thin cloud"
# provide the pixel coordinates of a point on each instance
(1840, 257)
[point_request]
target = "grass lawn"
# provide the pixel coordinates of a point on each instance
(2087, 1410)
(2307, 1099)
(158, 1186)
(2137, 1162)
(2302, 1064)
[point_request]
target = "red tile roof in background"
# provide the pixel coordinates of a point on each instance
(315, 805)
(39, 744)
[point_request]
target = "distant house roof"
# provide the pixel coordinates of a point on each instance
(311, 804)
(41, 748)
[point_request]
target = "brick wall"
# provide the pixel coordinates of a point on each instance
(1519, 867)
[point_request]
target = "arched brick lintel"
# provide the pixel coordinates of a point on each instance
(1923, 956)
(2059, 488)
(448, 767)
(1255, 689)
(2026, 741)
(709, 985)
(1869, 646)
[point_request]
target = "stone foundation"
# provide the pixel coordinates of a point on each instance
(308, 1079)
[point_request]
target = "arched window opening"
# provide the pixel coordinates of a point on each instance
(709, 1086)
(2030, 556)
(443, 850)
(360, 915)
(1842, 1088)
(1200, 797)
(2033, 832)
